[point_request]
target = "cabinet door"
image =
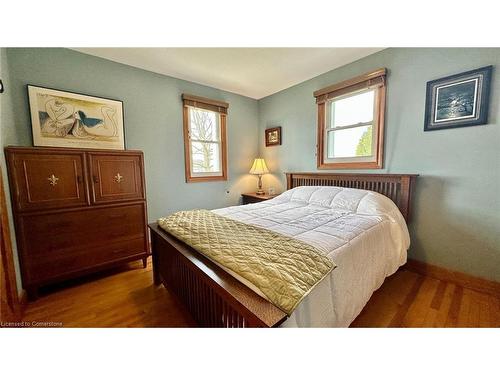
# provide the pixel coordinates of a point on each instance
(43, 180)
(116, 177)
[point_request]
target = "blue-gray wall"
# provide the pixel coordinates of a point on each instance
(153, 121)
(456, 217)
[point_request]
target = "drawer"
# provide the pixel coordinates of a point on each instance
(43, 268)
(52, 234)
(249, 199)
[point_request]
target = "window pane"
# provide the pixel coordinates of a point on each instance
(204, 125)
(205, 157)
(350, 142)
(352, 110)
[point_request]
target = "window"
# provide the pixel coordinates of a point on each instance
(351, 123)
(204, 139)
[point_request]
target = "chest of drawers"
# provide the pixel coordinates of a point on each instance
(76, 211)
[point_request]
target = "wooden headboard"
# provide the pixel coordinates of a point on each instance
(397, 187)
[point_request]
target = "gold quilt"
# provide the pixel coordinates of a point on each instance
(283, 268)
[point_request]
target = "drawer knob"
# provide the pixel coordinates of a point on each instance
(118, 178)
(53, 180)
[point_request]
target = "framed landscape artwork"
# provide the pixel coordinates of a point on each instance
(66, 119)
(458, 100)
(273, 136)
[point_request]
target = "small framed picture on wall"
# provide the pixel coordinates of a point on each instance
(273, 136)
(458, 100)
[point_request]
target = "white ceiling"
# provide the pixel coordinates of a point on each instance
(252, 72)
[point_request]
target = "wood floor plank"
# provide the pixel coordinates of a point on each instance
(400, 316)
(421, 304)
(494, 304)
(126, 297)
(430, 316)
(441, 317)
(463, 312)
(481, 311)
(456, 302)
(473, 320)
(438, 297)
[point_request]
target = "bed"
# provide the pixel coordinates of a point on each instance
(363, 232)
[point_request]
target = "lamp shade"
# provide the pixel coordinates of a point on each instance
(259, 167)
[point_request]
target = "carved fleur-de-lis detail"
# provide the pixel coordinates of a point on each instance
(118, 178)
(53, 180)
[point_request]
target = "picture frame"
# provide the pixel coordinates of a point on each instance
(68, 119)
(458, 100)
(273, 136)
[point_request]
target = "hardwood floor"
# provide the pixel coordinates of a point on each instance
(126, 297)
(408, 299)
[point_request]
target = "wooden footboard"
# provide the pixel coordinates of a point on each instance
(212, 296)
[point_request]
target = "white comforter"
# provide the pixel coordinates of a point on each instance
(363, 232)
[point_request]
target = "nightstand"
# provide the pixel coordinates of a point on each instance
(255, 198)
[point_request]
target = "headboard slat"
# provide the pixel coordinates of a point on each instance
(397, 187)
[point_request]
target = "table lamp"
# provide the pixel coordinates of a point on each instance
(259, 168)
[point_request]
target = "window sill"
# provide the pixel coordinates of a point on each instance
(351, 165)
(206, 179)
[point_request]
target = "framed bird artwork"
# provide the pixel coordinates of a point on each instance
(67, 119)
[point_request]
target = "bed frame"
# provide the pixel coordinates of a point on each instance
(215, 298)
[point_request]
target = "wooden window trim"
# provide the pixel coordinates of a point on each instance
(376, 80)
(211, 105)
(205, 103)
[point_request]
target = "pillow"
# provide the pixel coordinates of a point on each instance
(326, 196)
(378, 204)
(348, 199)
(317, 195)
(340, 198)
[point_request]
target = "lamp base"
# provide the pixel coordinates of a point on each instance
(259, 190)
